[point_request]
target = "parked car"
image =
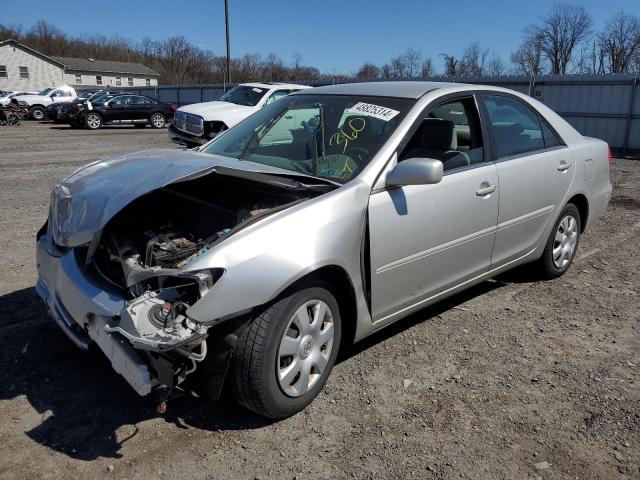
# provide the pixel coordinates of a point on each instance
(52, 112)
(6, 98)
(264, 257)
(68, 112)
(125, 109)
(39, 102)
(198, 123)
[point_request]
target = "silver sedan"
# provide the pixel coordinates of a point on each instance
(317, 221)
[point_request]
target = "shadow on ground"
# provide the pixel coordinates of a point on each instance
(85, 406)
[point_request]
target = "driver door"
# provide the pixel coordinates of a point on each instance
(428, 239)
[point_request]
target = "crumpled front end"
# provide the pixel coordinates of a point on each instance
(129, 282)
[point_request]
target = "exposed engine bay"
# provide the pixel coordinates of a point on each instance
(144, 252)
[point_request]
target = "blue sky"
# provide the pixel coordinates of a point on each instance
(336, 36)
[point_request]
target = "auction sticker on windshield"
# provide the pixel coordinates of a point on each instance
(383, 113)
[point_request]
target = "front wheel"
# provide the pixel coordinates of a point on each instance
(37, 113)
(157, 120)
(285, 354)
(93, 121)
(562, 243)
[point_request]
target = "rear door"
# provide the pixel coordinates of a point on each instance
(140, 107)
(535, 170)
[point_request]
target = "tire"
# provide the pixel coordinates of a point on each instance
(37, 113)
(157, 120)
(261, 356)
(93, 121)
(562, 244)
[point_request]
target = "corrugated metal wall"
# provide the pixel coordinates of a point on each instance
(602, 106)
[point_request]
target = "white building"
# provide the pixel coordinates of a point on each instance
(22, 68)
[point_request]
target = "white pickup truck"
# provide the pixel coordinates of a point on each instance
(196, 124)
(38, 103)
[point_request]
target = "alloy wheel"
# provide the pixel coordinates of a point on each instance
(93, 120)
(564, 243)
(305, 348)
(157, 120)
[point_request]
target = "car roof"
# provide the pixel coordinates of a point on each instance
(274, 85)
(399, 89)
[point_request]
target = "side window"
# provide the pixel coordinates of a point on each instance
(451, 133)
(140, 101)
(277, 95)
(120, 101)
(550, 138)
(516, 128)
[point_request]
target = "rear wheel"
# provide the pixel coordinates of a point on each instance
(93, 121)
(562, 243)
(285, 354)
(37, 113)
(157, 120)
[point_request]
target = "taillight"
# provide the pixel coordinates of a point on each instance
(610, 156)
(173, 107)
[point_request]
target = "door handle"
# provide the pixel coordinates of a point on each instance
(564, 165)
(486, 190)
(288, 117)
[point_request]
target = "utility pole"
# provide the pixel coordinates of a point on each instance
(226, 21)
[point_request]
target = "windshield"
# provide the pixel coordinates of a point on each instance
(85, 95)
(46, 91)
(328, 136)
(243, 95)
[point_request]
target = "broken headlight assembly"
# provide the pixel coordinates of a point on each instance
(157, 319)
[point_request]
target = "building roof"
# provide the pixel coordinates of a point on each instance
(86, 64)
(399, 89)
(90, 65)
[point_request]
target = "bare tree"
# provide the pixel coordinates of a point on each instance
(495, 66)
(619, 43)
(428, 69)
(450, 65)
(296, 66)
(386, 72)
(560, 33)
(473, 61)
(368, 71)
(528, 57)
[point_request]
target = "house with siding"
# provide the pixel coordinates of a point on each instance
(22, 68)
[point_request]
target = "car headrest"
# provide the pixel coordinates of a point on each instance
(437, 134)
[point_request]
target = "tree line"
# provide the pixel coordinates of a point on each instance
(562, 42)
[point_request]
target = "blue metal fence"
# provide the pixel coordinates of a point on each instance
(602, 106)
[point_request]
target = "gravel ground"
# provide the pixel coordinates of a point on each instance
(509, 380)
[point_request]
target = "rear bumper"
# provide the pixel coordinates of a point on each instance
(82, 309)
(182, 138)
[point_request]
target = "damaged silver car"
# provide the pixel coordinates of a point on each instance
(312, 224)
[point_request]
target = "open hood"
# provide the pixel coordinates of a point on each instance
(86, 200)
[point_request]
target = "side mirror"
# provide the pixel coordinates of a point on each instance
(415, 171)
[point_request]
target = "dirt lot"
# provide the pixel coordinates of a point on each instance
(510, 380)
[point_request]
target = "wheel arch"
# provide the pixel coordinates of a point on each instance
(582, 204)
(342, 288)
